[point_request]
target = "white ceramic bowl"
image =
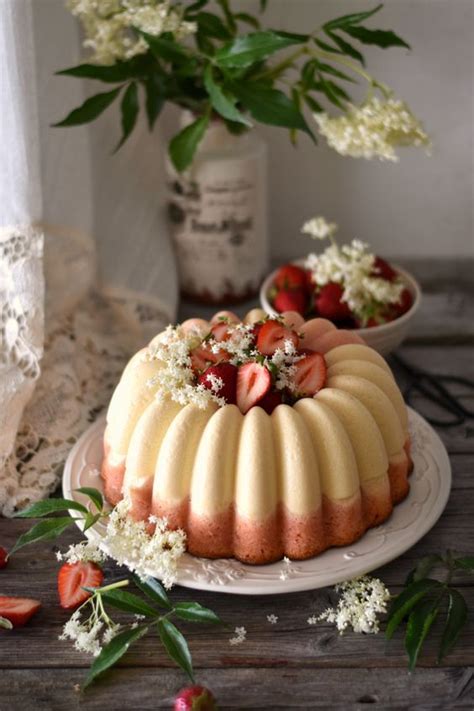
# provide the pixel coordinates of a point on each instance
(384, 338)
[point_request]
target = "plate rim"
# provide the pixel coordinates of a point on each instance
(295, 584)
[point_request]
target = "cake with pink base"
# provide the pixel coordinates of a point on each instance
(260, 439)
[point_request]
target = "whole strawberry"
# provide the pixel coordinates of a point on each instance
(291, 300)
(329, 305)
(289, 276)
(195, 698)
(3, 558)
(222, 380)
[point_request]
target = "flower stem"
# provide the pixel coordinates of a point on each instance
(113, 586)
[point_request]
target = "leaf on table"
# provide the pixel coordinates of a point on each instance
(128, 602)
(423, 568)
(176, 646)
(112, 652)
(43, 531)
(419, 624)
(153, 589)
(456, 617)
(195, 612)
(407, 600)
(464, 563)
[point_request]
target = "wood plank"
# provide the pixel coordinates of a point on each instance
(151, 689)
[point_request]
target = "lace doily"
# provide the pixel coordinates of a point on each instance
(80, 356)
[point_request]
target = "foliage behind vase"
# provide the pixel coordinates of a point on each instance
(208, 62)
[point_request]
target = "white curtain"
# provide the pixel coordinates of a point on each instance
(86, 269)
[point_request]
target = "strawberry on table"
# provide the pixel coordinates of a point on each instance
(289, 276)
(253, 382)
(310, 375)
(3, 557)
(195, 698)
(225, 372)
(18, 610)
(272, 335)
(329, 305)
(291, 300)
(72, 578)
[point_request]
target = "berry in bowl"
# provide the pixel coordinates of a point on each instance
(349, 286)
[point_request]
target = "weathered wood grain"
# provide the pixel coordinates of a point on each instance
(151, 689)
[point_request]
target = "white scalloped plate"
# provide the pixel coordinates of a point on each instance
(410, 521)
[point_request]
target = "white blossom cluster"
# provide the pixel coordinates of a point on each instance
(272, 619)
(352, 266)
(284, 360)
(238, 343)
(374, 129)
(319, 228)
(240, 635)
(108, 25)
(176, 378)
(86, 634)
(361, 601)
(129, 543)
(83, 552)
(287, 569)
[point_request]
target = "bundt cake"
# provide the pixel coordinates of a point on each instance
(265, 438)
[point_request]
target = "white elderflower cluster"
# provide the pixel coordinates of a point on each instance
(374, 129)
(83, 552)
(361, 601)
(353, 267)
(283, 361)
(109, 25)
(272, 619)
(240, 635)
(130, 544)
(239, 343)
(319, 228)
(176, 378)
(86, 634)
(287, 569)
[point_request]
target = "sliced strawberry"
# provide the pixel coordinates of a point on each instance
(195, 698)
(269, 401)
(384, 270)
(228, 374)
(72, 577)
(310, 375)
(3, 557)
(273, 335)
(202, 357)
(291, 300)
(253, 382)
(220, 331)
(328, 302)
(18, 610)
(289, 276)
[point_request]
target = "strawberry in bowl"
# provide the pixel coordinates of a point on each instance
(347, 285)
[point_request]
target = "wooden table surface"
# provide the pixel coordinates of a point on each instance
(290, 664)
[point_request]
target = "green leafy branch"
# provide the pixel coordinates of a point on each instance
(229, 74)
(426, 599)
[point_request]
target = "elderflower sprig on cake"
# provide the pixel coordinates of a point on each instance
(205, 59)
(347, 284)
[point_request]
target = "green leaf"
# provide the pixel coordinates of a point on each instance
(194, 7)
(312, 103)
(129, 110)
(248, 49)
(465, 563)
(183, 146)
(228, 14)
(118, 72)
(270, 106)
(332, 91)
(90, 520)
(248, 19)
(405, 602)
(223, 104)
(48, 506)
(419, 624)
(455, 620)
(112, 652)
(329, 69)
(43, 531)
(94, 495)
(212, 26)
(381, 38)
(352, 19)
(153, 590)
(263, 5)
(176, 646)
(5, 624)
(195, 612)
(123, 600)
(165, 48)
(327, 47)
(90, 109)
(423, 568)
(345, 47)
(155, 99)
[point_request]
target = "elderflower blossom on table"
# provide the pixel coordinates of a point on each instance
(108, 25)
(361, 601)
(374, 129)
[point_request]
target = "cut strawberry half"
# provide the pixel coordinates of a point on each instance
(273, 335)
(227, 373)
(253, 382)
(220, 331)
(289, 276)
(384, 270)
(202, 357)
(3, 557)
(72, 578)
(328, 303)
(310, 375)
(291, 300)
(195, 698)
(269, 401)
(18, 610)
